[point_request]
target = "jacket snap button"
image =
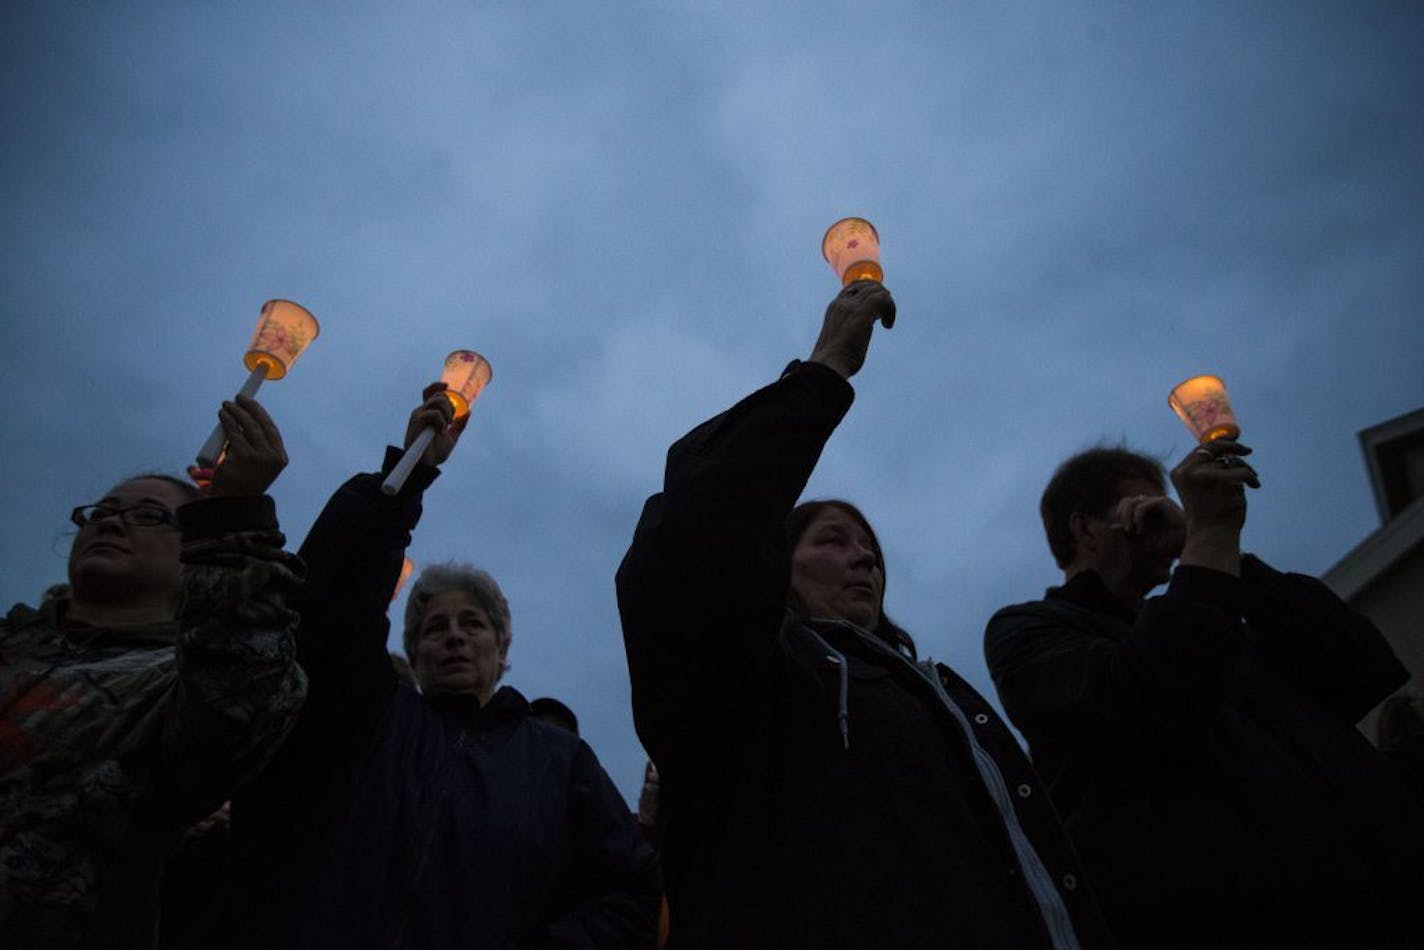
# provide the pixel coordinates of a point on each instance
(981, 718)
(1025, 790)
(1070, 882)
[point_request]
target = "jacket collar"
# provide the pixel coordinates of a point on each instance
(506, 705)
(841, 633)
(51, 615)
(1087, 589)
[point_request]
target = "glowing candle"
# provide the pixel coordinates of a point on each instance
(407, 567)
(852, 248)
(1202, 404)
(284, 330)
(466, 373)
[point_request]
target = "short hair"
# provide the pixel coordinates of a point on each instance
(797, 524)
(1087, 483)
(441, 579)
(190, 491)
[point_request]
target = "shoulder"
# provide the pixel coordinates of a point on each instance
(27, 630)
(17, 618)
(1033, 625)
(1014, 616)
(556, 739)
(23, 615)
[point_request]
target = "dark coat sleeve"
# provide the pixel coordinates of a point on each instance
(353, 554)
(614, 888)
(702, 590)
(1060, 673)
(1317, 643)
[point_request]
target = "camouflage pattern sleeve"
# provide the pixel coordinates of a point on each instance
(238, 688)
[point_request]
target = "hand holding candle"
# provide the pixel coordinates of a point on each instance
(254, 456)
(437, 424)
(284, 329)
(848, 325)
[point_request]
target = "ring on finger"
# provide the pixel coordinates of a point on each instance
(1230, 461)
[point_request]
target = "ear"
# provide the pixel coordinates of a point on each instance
(1085, 538)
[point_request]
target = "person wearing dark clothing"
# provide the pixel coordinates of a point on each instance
(1201, 745)
(135, 701)
(555, 713)
(450, 817)
(818, 787)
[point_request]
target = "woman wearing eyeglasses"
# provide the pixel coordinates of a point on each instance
(135, 704)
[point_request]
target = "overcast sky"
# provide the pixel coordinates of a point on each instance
(621, 205)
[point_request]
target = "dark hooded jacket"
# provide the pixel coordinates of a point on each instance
(392, 821)
(820, 789)
(1203, 754)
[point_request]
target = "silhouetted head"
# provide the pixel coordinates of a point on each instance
(555, 713)
(1091, 483)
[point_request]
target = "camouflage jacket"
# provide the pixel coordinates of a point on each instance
(113, 740)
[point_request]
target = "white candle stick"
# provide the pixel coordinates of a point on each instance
(403, 468)
(208, 454)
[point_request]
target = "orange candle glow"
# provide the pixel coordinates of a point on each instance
(466, 373)
(852, 248)
(283, 330)
(1202, 404)
(202, 475)
(407, 567)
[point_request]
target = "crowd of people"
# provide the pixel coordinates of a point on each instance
(204, 742)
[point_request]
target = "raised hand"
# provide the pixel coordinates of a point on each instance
(1211, 481)
(850, 320)
(1154, 522)
(255, 455)
(436, 413)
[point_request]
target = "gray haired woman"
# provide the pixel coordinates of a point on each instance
(443, 816)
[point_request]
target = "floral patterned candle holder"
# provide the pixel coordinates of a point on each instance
(1202, 404)
(852, 248)
(284, 329)
(466, 373)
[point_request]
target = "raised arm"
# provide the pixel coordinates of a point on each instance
(702, 590)
(354, 553)
(238, 688)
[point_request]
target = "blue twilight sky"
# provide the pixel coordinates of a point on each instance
(621, 206)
